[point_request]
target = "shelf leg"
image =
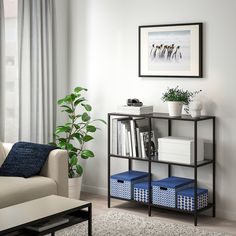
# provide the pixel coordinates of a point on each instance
(149, 168)
(169, 134)
(90, 220)
(195, 173)
(214, 169)
(169, 170)
(108, 162)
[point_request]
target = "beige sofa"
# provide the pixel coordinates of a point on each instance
(53, 179)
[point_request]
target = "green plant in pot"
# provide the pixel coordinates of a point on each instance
(75, 134)
(176, 98)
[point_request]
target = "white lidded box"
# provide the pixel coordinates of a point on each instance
(179, 149)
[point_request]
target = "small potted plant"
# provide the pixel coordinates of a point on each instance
(176, 98)
(73, 136)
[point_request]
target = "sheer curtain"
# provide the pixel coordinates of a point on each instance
(2, 69)
(36, 70)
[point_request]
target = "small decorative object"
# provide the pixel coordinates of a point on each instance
(176, 98)
(134, 102)
(195, 108)
(170, 50)
(73, 135)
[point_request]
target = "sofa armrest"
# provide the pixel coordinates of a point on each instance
(56, 167)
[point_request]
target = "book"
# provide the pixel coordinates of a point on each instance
(130, 144)
(144, 136)
(116, 135)
(139, 154)
(133, 138)
(123, 139)
(42, 226)
(135, 110)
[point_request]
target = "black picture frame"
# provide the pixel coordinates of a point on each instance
(165, 36)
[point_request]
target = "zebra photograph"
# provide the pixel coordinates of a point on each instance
(170, 50)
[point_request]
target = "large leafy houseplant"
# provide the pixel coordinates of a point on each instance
(78, 131)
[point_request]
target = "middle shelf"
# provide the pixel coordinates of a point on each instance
(155, 159)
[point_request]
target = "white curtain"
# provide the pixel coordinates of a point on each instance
(2, 70)
(37, 87)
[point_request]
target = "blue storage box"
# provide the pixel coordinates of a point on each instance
(141, 192)
(122, 184)
(165, 191)
(185, 199)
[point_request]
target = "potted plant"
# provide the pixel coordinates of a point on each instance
(73, 136)
(176, 98)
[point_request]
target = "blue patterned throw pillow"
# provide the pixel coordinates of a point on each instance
(25, 159)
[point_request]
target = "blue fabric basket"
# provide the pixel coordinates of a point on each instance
(141, 192)
(165, 191)
(122, 184)
(185, 199)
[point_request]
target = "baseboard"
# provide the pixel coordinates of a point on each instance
(94, 190)
(228, 215)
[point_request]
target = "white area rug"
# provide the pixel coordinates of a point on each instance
(123, 224)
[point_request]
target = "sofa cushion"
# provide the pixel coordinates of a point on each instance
(25, 159)
(14, 190)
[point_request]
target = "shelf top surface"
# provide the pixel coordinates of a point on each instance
(158, 115)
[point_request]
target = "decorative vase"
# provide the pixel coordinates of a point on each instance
(195, 108)
(75, 187)
(175, 108)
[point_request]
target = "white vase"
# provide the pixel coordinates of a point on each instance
(195, 108)
(175, 108)
(75, 187)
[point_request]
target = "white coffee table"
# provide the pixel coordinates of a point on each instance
(44, 216)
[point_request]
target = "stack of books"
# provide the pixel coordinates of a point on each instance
(132, 110)
(130, 137)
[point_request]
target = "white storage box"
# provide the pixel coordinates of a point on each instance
(179, 150)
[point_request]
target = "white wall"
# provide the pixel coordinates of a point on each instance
(103, 54)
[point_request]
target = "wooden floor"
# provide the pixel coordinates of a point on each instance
(205, 222)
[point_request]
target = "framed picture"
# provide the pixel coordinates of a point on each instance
(170, 50)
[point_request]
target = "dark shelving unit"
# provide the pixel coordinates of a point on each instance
(150, 159)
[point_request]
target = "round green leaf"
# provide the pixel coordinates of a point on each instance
(87, 138)
(60, 101)
(91, 128)
(87, 107)
(73, 160)
(79, 169)
(85, 117)
(85, 154)
(79, 89)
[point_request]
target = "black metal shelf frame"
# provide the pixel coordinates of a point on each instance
(151, 159)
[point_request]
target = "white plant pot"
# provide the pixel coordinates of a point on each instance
(75, 187)
(175, 108)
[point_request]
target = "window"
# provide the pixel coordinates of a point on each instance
(11, 82)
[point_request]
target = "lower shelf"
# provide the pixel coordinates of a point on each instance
(210, 205)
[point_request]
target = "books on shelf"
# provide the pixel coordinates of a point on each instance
(130, 137)
(135, 110)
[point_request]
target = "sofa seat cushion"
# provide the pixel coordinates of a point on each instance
(14, 190)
